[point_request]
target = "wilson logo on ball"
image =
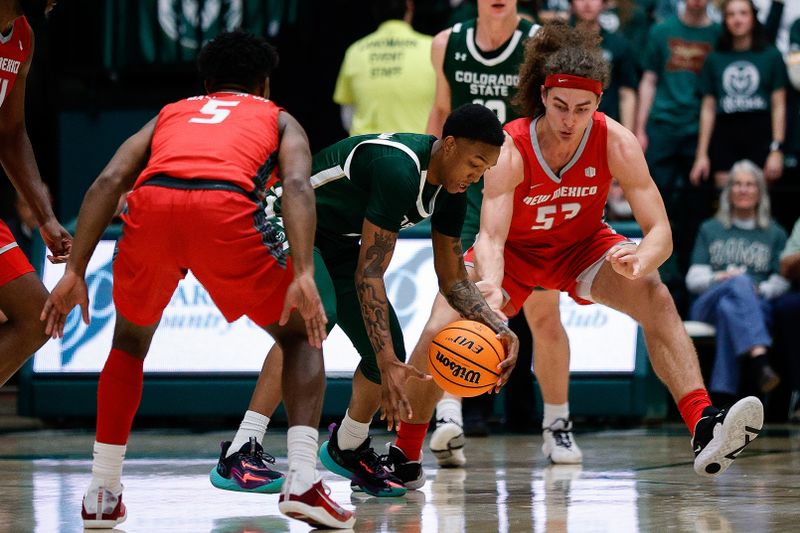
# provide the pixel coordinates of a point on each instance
(457, 370)
(463, 358)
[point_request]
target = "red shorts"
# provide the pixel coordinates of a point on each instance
(221, 236)
(553, 268)
(13, 262)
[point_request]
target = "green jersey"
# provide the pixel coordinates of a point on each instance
(486, 78)
(743, 82)
(676, 54)
(757, 249)
(383, 179)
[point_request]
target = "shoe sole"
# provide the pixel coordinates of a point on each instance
(446, 457)
(416, 484)
(336, 468)
(273, 487)
(313, 516)
(410, 485)
(574, 461)
(742, 425)
(104, 524)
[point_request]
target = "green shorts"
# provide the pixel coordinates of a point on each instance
(334, 271)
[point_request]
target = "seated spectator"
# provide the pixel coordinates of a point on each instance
(743, 114)
(735, 272)
(787, 317)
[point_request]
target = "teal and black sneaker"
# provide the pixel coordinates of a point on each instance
(246, 470)
(362, 466)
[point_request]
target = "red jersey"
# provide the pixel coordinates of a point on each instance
(14, 51)
(221, 136)
(555, 210)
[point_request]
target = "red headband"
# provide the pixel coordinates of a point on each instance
(573, 82)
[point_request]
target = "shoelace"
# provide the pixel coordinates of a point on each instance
(386, 462)
(562, 438)
(257, 458)
(443, 421)
(373, 462)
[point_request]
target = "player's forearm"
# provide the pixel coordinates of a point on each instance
(98, 208)
(489, 260)
(371, 292)
(465, 297)
(300, 220)
(655, 248)
(17, 158)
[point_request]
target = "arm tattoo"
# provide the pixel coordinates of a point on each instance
(377, 252)
(457, 250)
(371, 291)
(465, 298)
(375, 312)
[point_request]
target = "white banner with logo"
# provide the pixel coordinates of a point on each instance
(194, 337)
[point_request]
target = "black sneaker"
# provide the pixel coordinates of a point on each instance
(720, 436)
(362, 466)
(246, 470)
(409, 472)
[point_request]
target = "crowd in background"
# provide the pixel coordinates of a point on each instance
(711, 88)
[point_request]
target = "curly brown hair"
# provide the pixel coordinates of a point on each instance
(557, 48)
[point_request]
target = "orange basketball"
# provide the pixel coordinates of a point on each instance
(463, 358)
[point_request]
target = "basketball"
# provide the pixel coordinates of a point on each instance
(463, 358)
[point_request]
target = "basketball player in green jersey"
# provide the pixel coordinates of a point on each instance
(367, 189)
(478, 61)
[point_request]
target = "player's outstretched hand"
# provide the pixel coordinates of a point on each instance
(624, 260)
(303, 295)
(511, 344)
(70, 291)
(57, 239)
(393, 396)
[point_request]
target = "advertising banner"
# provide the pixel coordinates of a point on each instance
(193, 337)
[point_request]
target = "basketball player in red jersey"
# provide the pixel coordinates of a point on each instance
(542, 224)
(197, 172)
(21, 293)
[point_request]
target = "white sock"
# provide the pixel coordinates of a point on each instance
(351, 433)
(449, 408)
(107, 466)
(554, 411)
(253, 425)
(301, 443)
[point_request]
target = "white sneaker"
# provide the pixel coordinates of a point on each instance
(314, 506)
(102, 509)
(447, 444)
(559, 444)
(720, 436)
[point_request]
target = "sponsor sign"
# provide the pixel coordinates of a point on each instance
(193, 337)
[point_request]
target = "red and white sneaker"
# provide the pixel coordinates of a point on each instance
(102, 509)
(314, 506)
